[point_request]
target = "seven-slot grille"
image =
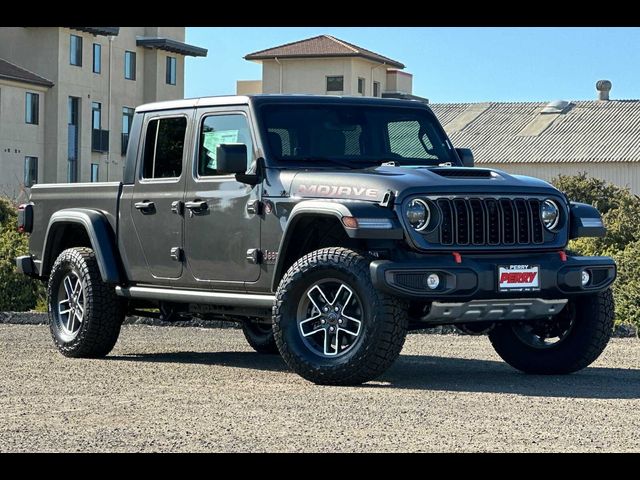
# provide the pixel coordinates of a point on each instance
(490, 221)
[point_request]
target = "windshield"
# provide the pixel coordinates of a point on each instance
(353, 136)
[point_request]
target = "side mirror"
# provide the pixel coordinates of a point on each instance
(231, 158)
(466, 156)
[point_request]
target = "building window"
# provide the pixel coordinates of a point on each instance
(97, 58)
(130, 65)
(75, 52)
(96, 115)
(73, 136)
(163, 148)
(376, 89)
(32, 108)
(361, 84)
(127, 120)
(335, 84)
(171, 70)
(30, 171)
(95, 169)
(99, 137)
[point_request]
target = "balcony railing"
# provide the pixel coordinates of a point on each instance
(100, 140)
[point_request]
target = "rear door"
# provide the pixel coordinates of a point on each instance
(158, 193)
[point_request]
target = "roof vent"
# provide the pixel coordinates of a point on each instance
(603, 87)
(557, 106)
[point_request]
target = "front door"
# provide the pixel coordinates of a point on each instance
(219, 225)
(158, 191)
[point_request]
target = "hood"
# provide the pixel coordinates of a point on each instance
(372, 184)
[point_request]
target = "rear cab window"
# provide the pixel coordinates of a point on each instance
(164, 148)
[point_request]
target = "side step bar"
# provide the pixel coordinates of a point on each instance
(493, 310)
(193, 296)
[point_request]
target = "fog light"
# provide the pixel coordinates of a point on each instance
(433, 281)
(585, 277)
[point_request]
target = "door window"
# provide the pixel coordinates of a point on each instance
(164, 147)
(217, 130)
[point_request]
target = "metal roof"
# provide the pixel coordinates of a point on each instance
(518, 132)
(321, 46)
(9, 71)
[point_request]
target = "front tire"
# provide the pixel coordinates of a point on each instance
(331, 325)
(85, 314)
(569, 342)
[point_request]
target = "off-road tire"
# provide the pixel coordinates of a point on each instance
(588, 337)
(260, 339)
(384, 321)
(104, 312)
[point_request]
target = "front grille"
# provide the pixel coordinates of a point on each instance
(489, 221)
(413, 281)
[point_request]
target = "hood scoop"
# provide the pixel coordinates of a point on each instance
(453, 172)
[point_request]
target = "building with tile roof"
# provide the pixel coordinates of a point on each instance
(326, 65)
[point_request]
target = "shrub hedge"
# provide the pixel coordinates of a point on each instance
(17, 292)
(620, 211)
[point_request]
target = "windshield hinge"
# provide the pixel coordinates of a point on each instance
(388, 199)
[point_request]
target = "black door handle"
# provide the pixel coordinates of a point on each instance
(145, 206)
(197, 206)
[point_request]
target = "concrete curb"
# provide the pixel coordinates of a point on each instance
(39, 318)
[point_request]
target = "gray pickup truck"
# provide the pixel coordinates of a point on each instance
(328, 226)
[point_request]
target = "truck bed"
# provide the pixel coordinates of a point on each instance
(48, 198)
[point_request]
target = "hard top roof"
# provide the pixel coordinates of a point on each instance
(258, 99)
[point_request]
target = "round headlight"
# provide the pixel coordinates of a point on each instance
(418, 214)
(550, 214)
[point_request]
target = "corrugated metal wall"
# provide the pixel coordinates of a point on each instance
(623, 174)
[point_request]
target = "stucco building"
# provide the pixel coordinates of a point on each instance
(326, 65)
(89, 81)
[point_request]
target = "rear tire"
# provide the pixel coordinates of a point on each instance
(331, 325)
(587, 329)
(85, 314)
(260, 337)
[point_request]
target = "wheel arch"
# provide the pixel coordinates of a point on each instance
(82, 228)
(330, 214)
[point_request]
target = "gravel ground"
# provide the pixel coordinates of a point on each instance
(194, 389)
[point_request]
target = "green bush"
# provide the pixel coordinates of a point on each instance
(17, 292)
(620, 211)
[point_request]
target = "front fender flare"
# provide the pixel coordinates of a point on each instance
(356, 209)
(585, 221)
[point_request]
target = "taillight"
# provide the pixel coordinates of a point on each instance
(25, 218)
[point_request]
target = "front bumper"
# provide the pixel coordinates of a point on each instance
(476, 277)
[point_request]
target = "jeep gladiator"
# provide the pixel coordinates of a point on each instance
(327, 226)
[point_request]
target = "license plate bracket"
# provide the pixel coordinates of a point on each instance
(518, 278)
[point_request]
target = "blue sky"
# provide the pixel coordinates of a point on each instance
(448, 64)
